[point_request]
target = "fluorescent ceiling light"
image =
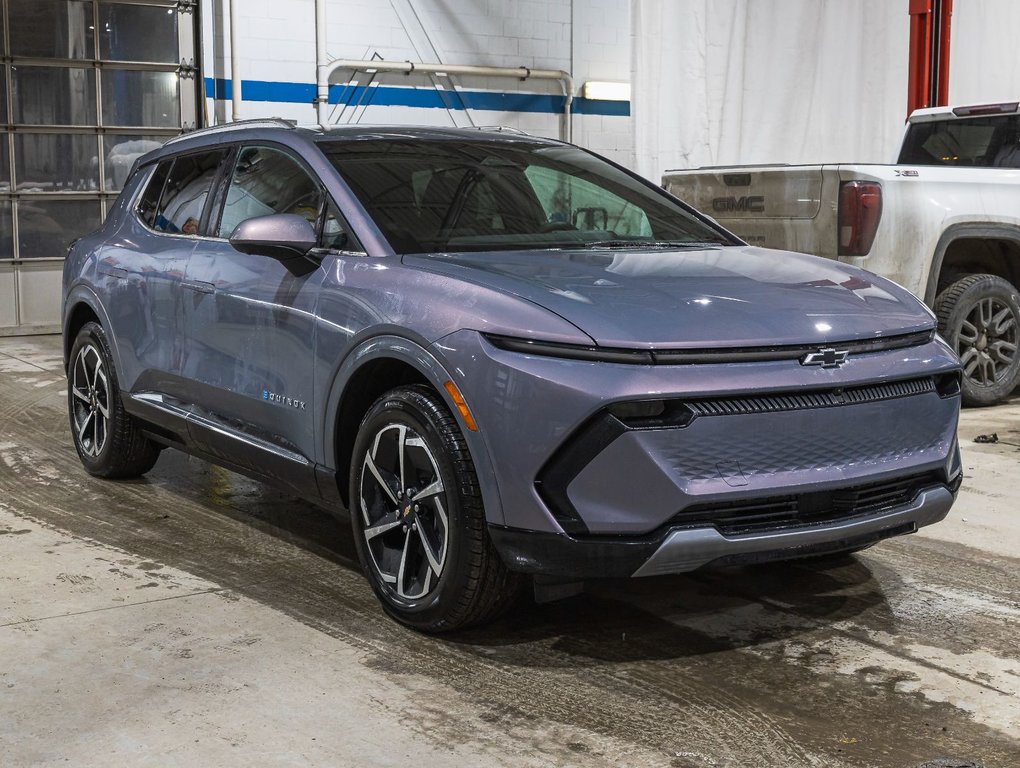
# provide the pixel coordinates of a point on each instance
(604, 91)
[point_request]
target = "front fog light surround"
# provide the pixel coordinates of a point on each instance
(649, 414)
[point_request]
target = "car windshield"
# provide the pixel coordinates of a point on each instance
(443, 195)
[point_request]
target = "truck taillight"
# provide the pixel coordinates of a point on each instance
(860, 208)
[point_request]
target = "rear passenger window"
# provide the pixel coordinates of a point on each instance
(185, 192)
(266, 181)
(175, 196)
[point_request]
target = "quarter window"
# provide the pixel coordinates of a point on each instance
(335, 236)
(149, 201)
(267, 181)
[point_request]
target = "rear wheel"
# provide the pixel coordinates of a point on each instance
(419, 525)
(979, 315)
(109, 441)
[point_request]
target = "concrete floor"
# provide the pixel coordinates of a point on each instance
(198, 618)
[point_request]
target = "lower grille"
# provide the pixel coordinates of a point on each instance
(777, 512)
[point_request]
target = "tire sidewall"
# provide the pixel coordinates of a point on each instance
(411, 407)
(951, 320)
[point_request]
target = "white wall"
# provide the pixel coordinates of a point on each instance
(276, 43)
(746, 81)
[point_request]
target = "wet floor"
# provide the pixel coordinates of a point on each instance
(906, 653)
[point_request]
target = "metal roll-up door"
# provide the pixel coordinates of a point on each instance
(86, 86)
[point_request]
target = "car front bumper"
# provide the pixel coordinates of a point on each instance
(679, 550)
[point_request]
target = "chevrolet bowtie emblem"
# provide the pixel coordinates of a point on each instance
(827, 357)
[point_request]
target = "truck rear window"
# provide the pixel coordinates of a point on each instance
(985, 142)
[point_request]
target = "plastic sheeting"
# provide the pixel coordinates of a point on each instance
(720, 82)
(984, 64)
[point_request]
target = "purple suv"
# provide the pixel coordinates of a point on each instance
(506, 356)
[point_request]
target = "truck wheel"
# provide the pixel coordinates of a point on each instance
(979, 316)
(417, 517)
(109, 441)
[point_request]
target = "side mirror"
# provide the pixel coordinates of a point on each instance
(281, 236)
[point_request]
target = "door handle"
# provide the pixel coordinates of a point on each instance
(198, 286)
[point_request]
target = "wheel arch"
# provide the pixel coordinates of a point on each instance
(81, 306)
(373, 368)
(973, 248)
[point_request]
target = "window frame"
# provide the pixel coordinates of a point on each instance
(151, 169)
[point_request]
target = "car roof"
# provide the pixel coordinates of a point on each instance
(291, 134)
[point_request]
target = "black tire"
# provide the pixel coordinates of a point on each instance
(109, 441)
(471, 584)
(979, 315)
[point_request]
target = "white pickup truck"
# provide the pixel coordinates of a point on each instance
(943, 221)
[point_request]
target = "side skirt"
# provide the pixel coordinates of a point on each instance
(204, 435)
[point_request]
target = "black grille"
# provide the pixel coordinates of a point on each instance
(776, 512)
(703, 356)
(824, 399)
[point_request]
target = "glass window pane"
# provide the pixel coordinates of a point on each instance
(47, 227)
(138, 33)
(183, 201)
(3, 89)
(54, 95)
(52, 29)
(148, 203)
(120, 151)
(6, 231)
(981, 141)
(141, 98)
(266, 181)
(334, 232)
(56, 162)
(5, 166)
(571, 201)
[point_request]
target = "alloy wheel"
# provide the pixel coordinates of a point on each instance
(90, 392)
(987, 341)
(403, 509)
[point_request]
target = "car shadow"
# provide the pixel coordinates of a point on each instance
(670, 617)
(612, 621)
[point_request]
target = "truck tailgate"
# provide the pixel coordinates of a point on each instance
(791, 207)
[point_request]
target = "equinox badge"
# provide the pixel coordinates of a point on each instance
(827, 358)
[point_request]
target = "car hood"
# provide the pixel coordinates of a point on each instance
(730, 296)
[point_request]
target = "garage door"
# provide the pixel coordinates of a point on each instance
(86, 87)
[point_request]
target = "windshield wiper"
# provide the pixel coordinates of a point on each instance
(662, 244)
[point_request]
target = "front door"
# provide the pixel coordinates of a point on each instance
(250, 327)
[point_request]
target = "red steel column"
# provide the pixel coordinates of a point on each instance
(919, 72)
(944, 22)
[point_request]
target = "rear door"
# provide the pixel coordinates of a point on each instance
(250, 324)
(142, 274)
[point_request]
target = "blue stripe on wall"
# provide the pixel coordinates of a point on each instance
(392, 96)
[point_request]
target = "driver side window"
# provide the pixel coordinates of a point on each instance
(267, 181)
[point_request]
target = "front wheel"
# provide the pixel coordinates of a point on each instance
(979, 316)
(109, 441)
(418, 520)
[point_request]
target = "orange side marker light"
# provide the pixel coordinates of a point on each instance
(458, 400)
